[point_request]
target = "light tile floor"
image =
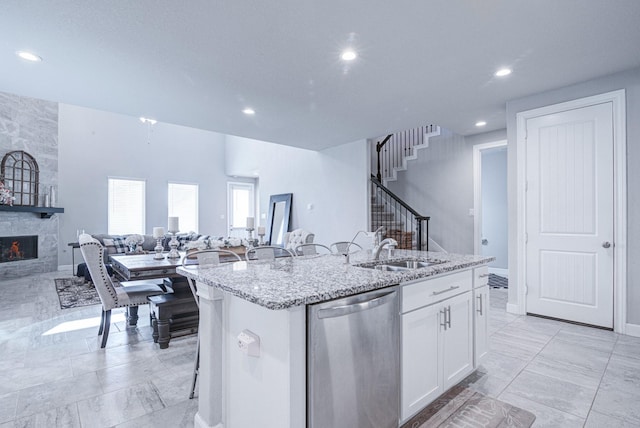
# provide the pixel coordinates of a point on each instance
(53, 374)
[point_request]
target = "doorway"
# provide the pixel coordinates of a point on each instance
(490, 205)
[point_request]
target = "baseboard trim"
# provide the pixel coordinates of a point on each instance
(513, 309)
(632, 330)
(199, 422)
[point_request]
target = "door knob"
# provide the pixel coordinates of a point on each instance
(606, 244)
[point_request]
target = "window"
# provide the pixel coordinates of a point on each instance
(183, 203)
(126, 206)
(241, 205)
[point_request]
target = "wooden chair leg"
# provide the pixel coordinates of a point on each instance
(101, 323)
(196, 368)
(107, 324)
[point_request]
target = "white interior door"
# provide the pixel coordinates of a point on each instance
(569, 215)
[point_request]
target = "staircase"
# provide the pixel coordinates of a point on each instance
(402, 223)
(396, 150)
(381, 215)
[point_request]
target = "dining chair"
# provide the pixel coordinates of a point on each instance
(296, 237)
(267, 252)
(129, 295)
(344, 247)
(203, 259)
(312, 250)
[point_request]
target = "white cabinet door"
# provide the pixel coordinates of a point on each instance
(481, 323)
(457, 339)
(421, 359)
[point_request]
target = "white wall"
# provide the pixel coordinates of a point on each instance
(95, 145)
(334, 182)
(630, 81)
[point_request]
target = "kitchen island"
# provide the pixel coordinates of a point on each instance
(269, 300)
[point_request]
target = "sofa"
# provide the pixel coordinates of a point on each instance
(116, 244)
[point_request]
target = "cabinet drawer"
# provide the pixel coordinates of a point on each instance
(480, 276)
(428, 291)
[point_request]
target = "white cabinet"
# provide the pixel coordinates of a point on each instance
(480, 314)
(457, 338)
(437, 338)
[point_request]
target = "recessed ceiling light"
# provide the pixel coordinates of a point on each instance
(481, 123)
(249, 111)
(503, 72)
(147, 120)
(348, 55)
(29, 56)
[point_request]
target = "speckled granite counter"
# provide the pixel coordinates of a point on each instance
(288, 282)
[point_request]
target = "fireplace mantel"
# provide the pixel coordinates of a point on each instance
(45, 212)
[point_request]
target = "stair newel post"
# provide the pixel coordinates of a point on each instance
(379, 146)
(419, 233)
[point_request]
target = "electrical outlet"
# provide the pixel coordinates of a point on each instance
(249, 343)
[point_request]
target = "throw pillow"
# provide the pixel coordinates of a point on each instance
(118, 242)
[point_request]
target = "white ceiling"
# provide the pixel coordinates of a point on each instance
(199, 63)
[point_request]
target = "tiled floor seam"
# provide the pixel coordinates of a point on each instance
(527, 365)
(600, 382)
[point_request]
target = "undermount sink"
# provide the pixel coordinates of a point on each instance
(413, 264)
(399, 265)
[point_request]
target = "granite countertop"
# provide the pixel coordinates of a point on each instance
(288, 282)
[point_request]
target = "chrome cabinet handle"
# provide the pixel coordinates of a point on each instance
(444, 318)
(484, 275)
(449, 315)
(606, 244)
(453, 287)
(480, 300)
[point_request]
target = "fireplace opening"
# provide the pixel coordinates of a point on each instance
(16, 248)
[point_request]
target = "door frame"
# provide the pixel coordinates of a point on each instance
(477, 190)
(617, 99)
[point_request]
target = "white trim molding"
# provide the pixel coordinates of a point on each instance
(617, 100)
(477, 190)
(632, 330)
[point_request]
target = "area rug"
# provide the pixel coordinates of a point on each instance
(497, 281)
(462, 407)
(75, 292)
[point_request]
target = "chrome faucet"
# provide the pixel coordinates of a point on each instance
(392, 243)
(378, 234)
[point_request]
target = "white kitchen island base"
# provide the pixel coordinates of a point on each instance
(237, 390)
(268, 301)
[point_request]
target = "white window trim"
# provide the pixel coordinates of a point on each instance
(230, 185)
(197, 200)
(144, 198)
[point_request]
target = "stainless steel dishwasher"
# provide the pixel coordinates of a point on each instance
(353, 361)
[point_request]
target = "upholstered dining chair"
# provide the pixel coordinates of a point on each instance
(311, 250)
(267, 252)
(297, 237)
(130, 295)
(203, 259)
(344, 247)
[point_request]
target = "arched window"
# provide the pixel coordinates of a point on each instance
(20, 173)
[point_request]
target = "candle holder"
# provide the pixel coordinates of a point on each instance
(173, 245)
(158, 248)
(250, 233)
(261, 241)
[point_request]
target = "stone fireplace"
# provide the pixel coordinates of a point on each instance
(30, 125)
(18, 248)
